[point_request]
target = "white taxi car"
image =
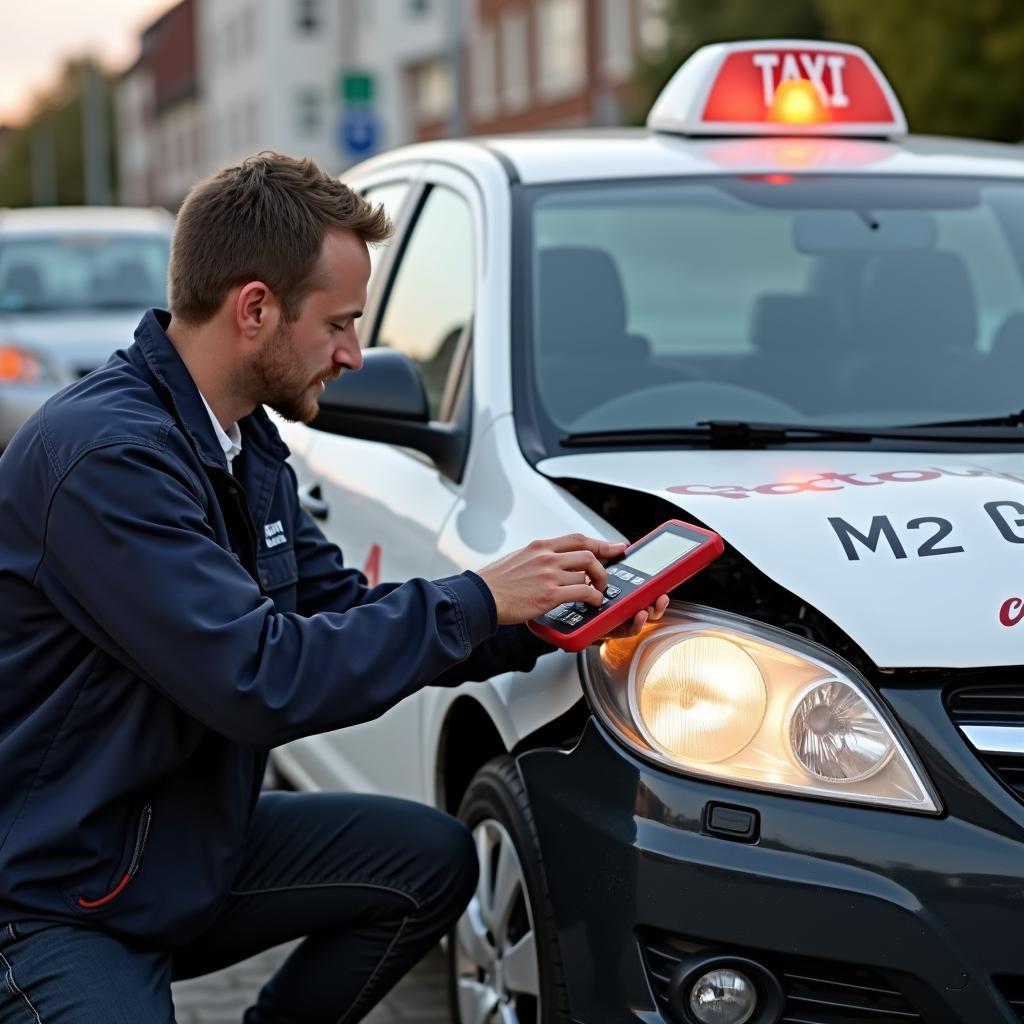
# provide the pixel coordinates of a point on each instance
(777, 315)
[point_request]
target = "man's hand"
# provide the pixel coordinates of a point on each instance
(546, 573)
(651, 614)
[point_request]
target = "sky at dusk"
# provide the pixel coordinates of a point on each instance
(38, 35)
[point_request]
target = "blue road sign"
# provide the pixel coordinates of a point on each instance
(358, 131)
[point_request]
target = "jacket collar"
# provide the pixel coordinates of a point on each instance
(180, 391)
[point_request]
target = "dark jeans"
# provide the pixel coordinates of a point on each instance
(373, 882)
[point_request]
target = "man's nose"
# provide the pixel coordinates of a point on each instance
(350, 354)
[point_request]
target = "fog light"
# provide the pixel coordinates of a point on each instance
(723, 996)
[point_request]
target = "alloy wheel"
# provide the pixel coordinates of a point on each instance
(497, 975)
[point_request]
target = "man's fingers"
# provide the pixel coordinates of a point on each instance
(581, 542)
(586, 562)
(580, 592)
(639, 621)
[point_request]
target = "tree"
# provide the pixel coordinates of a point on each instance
(57, 114)
(957, 68)
(695, 23)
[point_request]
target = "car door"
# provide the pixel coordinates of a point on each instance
(385, 505)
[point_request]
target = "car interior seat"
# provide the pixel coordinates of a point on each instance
(585, 354)
(22, 287)
(796, 341)
(916, 334)
(1005, 364)
(126, 283)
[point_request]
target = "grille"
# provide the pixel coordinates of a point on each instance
(817, 991)
(993, 705)
(1013, 992)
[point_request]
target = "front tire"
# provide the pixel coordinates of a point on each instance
(504, 964)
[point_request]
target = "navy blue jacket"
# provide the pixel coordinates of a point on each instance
(153, 647)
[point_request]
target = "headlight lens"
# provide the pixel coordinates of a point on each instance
(702, 699)
(717, 695)
(834, 734)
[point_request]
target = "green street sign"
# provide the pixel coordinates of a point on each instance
(356, 87)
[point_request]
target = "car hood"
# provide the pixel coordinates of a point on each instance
(944, 583)
(74, 342)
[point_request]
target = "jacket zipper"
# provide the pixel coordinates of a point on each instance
(133, 865)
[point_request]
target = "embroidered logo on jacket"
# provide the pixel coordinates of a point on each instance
(274, 534)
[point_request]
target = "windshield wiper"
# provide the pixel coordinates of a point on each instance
(742, 434)
(1013, 419)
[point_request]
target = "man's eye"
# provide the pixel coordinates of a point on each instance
(339, 327)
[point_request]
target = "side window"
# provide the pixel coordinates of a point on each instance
(431, 301)
(391, 196)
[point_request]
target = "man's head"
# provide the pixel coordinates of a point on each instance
(273, 255)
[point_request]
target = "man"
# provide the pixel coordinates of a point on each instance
(152, 650)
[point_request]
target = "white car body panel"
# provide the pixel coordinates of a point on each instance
(905, 608)
(947, 606)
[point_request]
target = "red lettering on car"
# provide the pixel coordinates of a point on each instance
(1012, 611)
(371, 570)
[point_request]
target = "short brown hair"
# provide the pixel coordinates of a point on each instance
(264, 220)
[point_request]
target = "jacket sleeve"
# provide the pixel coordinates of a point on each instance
(327, 584)
(131, 561)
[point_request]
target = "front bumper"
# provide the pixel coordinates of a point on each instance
(927, 909)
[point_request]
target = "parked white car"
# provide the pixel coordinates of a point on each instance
(775, 314)
(73, 283)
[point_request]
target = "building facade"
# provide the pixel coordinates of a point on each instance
(338, 80)
(269, 71)
(159, 113)
(443, 67)
(536, 64)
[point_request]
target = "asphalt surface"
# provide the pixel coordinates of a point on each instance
(221, 998)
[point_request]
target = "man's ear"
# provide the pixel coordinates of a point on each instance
(255, 309)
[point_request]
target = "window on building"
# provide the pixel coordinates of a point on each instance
(515, 57)
(307, 15)
(248, 21)
(211, 53)
(309, 112)
(253, 112)
(184, 158)
(561, 47)
(484, 60)
(431, 300)
(230, 41)
(616, 41)
(214, 143)
(433, 91)
(652, 30)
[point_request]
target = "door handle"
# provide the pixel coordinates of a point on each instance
(312, 500)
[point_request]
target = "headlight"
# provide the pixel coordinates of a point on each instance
(20, 366)
(717, 695)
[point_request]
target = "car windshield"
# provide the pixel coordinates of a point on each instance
(83, 270)
(833, 300)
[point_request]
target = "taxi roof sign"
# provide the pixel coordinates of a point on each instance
(778, 87)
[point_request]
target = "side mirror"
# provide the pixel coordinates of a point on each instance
(387, 387)
(386, 401)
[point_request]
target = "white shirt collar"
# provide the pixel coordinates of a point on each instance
(230, 442)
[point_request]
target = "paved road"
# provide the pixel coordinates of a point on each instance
(222, 997)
